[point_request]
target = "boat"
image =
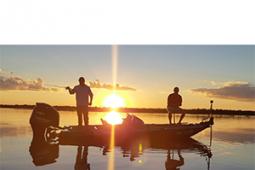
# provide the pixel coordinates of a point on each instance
(44, 152)
(45, 120)
(132, 138)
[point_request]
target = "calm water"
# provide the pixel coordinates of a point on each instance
(232, 146)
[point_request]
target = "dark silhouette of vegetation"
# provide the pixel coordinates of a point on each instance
(141, 110)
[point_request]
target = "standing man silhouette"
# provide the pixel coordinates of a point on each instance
(174, 101)
(84, 97)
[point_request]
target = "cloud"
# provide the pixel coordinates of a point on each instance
(17, 83)
(97, 84)
(240, 91)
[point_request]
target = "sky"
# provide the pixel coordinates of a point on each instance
(146, 74)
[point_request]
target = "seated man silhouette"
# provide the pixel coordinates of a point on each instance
(173, 164)
(174, 101)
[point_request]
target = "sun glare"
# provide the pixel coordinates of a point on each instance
(114, 101)
(113, 118)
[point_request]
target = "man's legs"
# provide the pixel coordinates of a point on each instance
(79, 115)
(86, 119)
(170, 117)
(85, 116)
(182, 115)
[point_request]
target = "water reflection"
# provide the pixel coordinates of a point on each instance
(233, 145)
(246, 135)
(81, 162)
(44, 153)
(135, 148)
(231, 136)
(173, 163)
(14, 131)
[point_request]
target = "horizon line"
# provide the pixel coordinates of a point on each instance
(24, 106)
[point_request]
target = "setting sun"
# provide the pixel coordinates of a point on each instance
(113, 118)
(113, 101)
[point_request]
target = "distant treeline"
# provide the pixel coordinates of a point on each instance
(142, 110)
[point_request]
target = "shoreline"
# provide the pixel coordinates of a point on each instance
(141, 110)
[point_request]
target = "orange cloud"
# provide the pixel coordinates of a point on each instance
(17, 83)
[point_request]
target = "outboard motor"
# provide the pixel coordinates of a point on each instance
(43, 116)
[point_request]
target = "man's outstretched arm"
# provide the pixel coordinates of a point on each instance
(71, 91)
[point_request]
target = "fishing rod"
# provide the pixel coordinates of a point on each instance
(57, 86)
